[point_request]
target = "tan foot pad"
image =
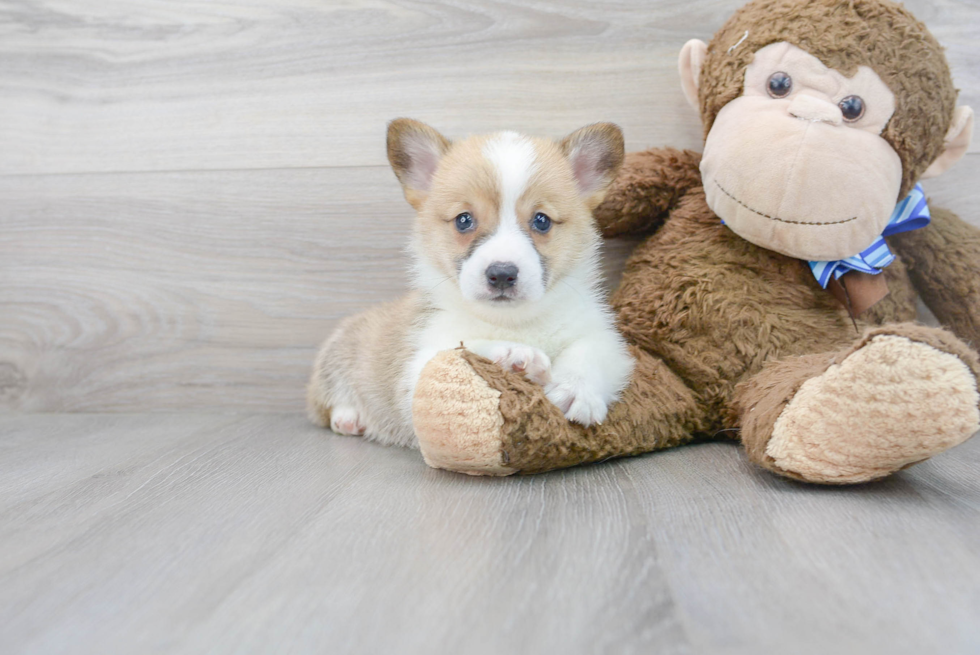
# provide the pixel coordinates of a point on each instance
(890, 404)
(457, 418)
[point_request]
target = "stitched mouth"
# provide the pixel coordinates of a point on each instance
(776, 218)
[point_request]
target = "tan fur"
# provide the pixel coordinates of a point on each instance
(361, 363)
(550, 190)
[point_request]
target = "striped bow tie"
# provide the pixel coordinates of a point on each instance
(910, 214)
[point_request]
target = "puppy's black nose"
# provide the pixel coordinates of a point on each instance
(502, 275)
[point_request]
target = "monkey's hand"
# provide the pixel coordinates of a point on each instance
(943, 260)
(648, 185)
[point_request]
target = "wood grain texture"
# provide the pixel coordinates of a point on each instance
(141, 85)
(259, 533)
(198, 290)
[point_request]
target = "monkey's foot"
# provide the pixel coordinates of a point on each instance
(901, 395)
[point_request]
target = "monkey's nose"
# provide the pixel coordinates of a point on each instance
(502, 275)
(813, 109)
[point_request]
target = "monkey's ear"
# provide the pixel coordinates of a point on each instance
(957, 143)
(689, 64)
(414, 151)
(595, 152)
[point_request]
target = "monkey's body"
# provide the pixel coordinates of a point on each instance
(733, 338)
(718, 310)
(715, 307)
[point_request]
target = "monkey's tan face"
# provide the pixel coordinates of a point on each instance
(797, 164)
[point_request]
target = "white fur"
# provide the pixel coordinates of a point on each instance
(514, 161)
(346, 420)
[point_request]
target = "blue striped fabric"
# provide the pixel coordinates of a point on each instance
(910, 214)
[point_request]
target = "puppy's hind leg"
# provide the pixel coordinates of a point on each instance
(328, 396)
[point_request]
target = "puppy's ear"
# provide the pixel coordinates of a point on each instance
(596, 153)
(414, 151)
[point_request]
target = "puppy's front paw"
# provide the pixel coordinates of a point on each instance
(534, 364)
(578, 401)
(346, 421)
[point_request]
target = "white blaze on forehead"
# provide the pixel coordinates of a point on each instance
(514, 160)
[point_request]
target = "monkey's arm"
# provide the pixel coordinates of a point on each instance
(647, 187)
(943, 261)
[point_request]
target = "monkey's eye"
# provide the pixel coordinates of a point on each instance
(541, 223)
(852, 107)
(465, 222)
(779, 85)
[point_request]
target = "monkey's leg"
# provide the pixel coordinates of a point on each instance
(943, 262)
(472, 416)
(899, 395)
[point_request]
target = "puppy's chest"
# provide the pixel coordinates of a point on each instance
(446, 330)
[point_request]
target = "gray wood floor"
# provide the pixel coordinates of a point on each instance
(230, 533)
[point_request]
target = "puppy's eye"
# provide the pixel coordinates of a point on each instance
(465, 222)
(779, 85)
(541, 223)
(852, 107)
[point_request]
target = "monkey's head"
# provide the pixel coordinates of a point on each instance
(819, 116)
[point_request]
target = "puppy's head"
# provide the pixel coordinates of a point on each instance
(506, 217)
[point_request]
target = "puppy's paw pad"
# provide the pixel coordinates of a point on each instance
(346, 421)
(534, 364)
(578, 402)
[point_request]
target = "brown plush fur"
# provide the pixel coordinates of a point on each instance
(649, 184)
(657, 411)
(942, 263)
(844, 35)
(715, 307)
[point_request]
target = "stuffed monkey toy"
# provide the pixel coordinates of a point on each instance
(773, 297)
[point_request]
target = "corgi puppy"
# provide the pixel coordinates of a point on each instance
(505, 261)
